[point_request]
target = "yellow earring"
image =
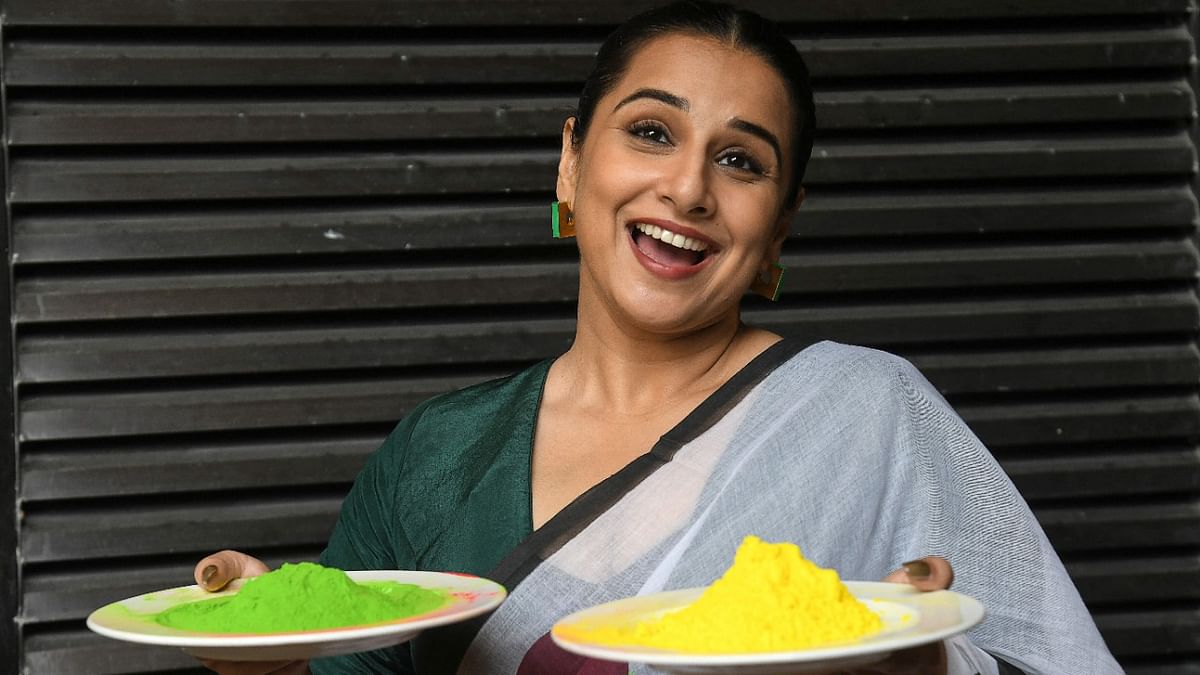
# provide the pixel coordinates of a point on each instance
(563, 221)
(769, 282)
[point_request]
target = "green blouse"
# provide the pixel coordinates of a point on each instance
(448, 490)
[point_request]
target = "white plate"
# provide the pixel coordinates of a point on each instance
(130, 620)
(910, 618)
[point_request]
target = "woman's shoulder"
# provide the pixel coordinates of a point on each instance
(478, 401)
(862, 361)
(863, 373)
(453, 422)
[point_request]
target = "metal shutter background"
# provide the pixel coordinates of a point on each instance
(247, 235)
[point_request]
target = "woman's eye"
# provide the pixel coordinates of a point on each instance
(651, 132)
(740, 160)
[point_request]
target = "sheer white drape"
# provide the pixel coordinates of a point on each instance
(853, 455)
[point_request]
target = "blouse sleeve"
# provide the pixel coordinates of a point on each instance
(368, 536)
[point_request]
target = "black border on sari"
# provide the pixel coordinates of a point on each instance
(573, 518)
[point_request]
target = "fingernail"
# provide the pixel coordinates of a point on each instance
(917, 569)
(207, 575)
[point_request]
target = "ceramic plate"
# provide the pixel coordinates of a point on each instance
(130, 620)
(910, 618)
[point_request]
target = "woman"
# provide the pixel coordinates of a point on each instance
(640, 457)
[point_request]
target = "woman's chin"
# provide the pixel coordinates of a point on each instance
(638, 303)
(669, 317)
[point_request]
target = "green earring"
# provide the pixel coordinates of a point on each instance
(562, 220)
(769, 282)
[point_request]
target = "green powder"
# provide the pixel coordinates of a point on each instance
(302, 596)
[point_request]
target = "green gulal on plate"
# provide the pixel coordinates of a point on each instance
(303, 596)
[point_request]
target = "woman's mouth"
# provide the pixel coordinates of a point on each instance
(667, 248)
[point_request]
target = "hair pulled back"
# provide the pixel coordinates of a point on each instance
(738, 28)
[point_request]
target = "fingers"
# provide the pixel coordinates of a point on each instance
(931, 573)
(217, 570)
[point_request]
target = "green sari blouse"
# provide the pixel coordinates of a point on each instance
(447, 491)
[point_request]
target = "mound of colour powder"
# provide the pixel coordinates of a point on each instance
(302, 596)
(771, 599)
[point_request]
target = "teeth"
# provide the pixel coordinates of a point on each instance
(673, 238)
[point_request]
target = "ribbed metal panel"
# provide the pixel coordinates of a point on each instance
(249, 235)
(506, 13)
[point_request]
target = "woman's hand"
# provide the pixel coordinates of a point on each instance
(217, 570)
(214, 573)
(930, 573)
(927, 574)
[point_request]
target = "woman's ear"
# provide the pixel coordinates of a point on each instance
(567, 164)
(800, 194)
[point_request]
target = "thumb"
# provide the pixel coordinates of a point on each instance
(931, 573)
(217, 570)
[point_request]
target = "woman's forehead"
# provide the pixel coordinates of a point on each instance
(712, 77)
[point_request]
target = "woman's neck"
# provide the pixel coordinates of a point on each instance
(629, 372)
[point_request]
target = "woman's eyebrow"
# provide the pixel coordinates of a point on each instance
(683, 104)
(658, 95)
(761, 132)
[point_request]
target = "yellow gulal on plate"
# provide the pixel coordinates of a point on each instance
(770, 599)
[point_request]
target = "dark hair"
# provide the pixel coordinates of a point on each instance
(738, 28)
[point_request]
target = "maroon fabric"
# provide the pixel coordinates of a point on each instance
(547, 658)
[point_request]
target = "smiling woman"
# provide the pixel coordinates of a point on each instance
(669, 150)
(637, 460)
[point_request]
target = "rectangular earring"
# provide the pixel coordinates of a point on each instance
(562, 220)
(770, 282)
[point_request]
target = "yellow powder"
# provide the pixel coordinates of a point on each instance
(771, 599)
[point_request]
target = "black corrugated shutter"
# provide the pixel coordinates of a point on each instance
(248, 235)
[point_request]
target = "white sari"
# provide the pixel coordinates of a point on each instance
(851, 454)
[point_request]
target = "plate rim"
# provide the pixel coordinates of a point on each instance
(972, 609)
(413, 624)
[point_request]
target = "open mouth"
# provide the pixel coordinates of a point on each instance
(667, 248)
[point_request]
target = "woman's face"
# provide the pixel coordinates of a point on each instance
(678, 187)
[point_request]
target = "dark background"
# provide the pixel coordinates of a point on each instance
(246, 236)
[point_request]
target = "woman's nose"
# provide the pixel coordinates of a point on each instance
(687, 185)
